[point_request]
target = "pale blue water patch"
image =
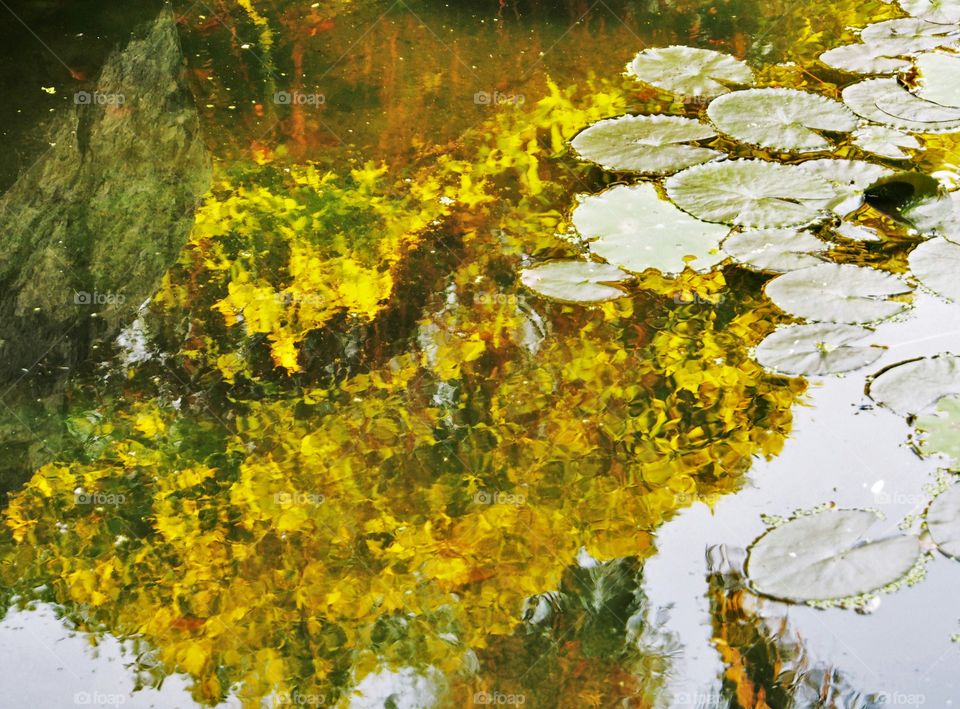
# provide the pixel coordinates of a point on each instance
(856, 457)
(47, 666)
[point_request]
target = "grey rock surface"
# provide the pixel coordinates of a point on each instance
(88, 231)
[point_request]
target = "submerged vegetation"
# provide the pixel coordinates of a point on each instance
(418, 424)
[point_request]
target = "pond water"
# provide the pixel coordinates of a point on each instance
(291, 417)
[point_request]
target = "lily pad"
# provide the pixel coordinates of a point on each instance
(936, 213)
(864, 58)
(751, 193)
(774, 250)
(856, 232)
(914, 386)
(575, 281)
(651, 145)
(840, 293)
(688, 70)
(780, 119)
(885, 45)
(943, 521)
(904, 105)
(826, 556)
(913, 32)
(944, 12)
(886, 102)
(885, 142)
(815, 350)
(849, 177)
(632, 227)
(939, 77)
(936, 264)
(941, 430)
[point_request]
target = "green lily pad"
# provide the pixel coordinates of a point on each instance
(780, 119)
(652, 145)
(850, 175)
(941, 430)
(687, 70)
(935, 214)
(849, 178)
(915, 385)
(751, 193)
(936, 264)
(826, 556)
(943, 521)
(863, 58)
(915, 33)
(816, 350)
(885, 142)
(885, 46)
(840, 293)
(904, 105)
(774, 250)
(939, 77)
(886, 102)
(632, 227)
(575, 281)
(943, 12)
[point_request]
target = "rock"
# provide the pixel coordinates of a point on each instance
(88, 231)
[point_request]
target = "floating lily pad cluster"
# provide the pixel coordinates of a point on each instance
(927, 391)
(849, 294)
(757, 213)
(765, 215)
(682, 203)
(710, 209)
(887, 102)
(632, 227)
(830, 555)
(915, 85)
(827, 555)
(925, 98)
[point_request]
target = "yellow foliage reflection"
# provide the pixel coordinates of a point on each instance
(416, 512)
